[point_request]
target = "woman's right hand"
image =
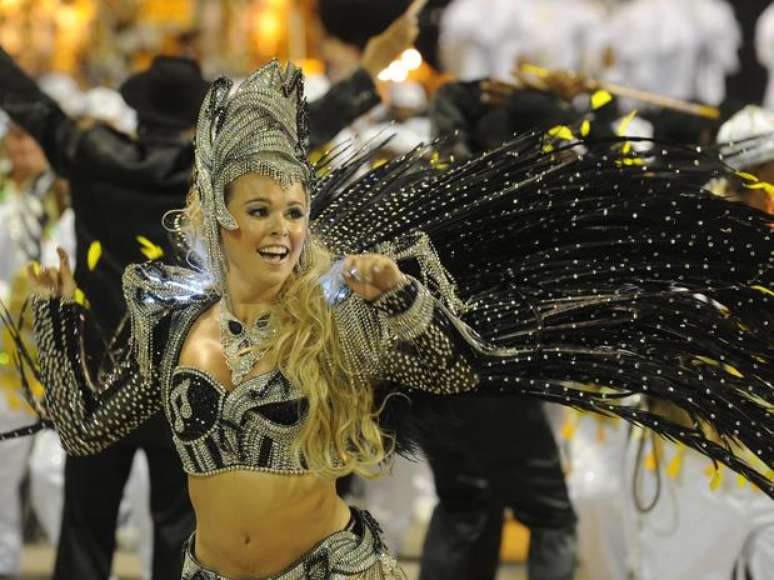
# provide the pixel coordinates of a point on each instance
(53, 281)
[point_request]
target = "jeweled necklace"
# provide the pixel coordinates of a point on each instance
(243, 346)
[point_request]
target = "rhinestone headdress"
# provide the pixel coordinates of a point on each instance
(258, 128)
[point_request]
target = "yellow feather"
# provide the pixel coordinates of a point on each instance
(764, 185)
(747, 176)
(708, 361)
(762, 289)
(732, 371)
(625, 122)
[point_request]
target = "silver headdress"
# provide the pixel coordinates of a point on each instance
(258, 128)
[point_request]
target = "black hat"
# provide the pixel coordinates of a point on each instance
(356, 21)
(167, 94)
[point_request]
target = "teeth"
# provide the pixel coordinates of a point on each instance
(274, 250)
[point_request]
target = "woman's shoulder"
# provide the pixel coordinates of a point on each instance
(201, 347)
(154, 285)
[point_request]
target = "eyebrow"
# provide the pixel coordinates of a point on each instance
(269, 202)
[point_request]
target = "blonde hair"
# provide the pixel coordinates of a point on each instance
(340, 432)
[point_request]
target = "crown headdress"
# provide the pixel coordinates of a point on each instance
(260, 127)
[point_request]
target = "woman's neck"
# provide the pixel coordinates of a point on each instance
(248, 302)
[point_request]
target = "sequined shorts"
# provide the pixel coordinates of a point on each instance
(355, 552)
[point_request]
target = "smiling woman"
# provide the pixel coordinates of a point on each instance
(272, 228)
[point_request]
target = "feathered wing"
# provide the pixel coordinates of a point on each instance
(604, 281)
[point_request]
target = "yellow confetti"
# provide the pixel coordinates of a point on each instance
(93, 255)
(4, 359)
(600, 99)
(762, 289)
(585, 128)
(676, 465)
(625, 122)
(548, 148)
(633, 161)
(149, 249)
(80, 297)
(562, 132)
(741, 481)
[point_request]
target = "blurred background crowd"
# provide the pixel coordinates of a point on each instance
(696, 72)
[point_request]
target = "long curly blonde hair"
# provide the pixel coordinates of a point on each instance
(340, 432)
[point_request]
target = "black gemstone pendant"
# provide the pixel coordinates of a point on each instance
(235, 327)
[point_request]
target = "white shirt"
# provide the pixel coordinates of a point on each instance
(485, 38)
(764, 46)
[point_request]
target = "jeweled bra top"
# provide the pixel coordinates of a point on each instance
(249, 428)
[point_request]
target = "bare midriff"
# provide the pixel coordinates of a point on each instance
(252, 524)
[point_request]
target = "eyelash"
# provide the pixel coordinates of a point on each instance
(294, 213)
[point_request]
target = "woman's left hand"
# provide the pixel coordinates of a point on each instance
(371, 275)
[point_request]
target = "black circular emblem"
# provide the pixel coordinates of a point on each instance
(194, 404)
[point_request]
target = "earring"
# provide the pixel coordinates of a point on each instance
(302, 259)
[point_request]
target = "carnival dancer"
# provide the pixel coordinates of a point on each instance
(122, 187)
